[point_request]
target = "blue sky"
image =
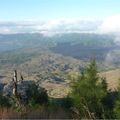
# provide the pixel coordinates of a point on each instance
(17, 10)
(57, 16)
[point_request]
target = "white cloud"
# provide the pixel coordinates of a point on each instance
(68, 25)
(111, 25)
(55, 26)
(5, 30)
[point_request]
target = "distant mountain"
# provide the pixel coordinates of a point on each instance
(27, 40)
(17, 41)
(81, 46)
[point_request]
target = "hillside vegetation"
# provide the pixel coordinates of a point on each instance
(89, 97)
(51, 59)
(55, 63)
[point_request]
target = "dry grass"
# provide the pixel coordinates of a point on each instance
(56, 90)
(112, 77)
(40, 113)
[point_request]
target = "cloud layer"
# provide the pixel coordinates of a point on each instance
(109, 25)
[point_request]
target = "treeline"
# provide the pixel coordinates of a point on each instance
(89, 98)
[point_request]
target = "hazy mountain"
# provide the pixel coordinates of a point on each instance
(80, 46)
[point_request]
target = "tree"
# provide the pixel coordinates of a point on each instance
(87, 93)
(16, 97)
(117, 103)
(27, 93)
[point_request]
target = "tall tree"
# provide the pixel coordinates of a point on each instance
(117, 103)
(88, 93)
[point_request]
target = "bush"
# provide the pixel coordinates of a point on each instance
(4, 101)
(36, 95)
(67, 102)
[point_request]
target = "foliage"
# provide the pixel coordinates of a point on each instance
(104, 83)
(117, 103)
(36, 96)
(117, 109)
(88, 93)
(67, 102)
(4, 101)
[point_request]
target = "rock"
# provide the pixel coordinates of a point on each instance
(21, 88)
(7, 90)
(1, 87)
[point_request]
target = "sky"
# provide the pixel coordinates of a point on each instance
(57, 16)
(43, 10)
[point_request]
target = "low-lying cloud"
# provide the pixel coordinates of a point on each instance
(109, 25)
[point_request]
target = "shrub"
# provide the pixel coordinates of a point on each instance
(36, 95)
(4, 101)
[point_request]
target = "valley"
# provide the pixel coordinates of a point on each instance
(50, 60)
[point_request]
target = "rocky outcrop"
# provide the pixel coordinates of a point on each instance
(22, 89)
(1, 87)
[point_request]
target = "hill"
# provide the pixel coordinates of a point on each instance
(50, 60)
(112, 77)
